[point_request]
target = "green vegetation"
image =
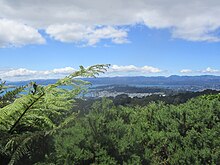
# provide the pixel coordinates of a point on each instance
(154, 134)
(28, 124)
(41, 127)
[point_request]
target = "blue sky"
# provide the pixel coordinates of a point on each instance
(144, 43)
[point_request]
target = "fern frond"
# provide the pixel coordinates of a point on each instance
(41, 110)
(10, 96)
(24, 146)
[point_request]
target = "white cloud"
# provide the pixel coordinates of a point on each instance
(128, 68)
(186, 71)
(89, 35)
(26, 74)
(114, 70)
(210, 70)
(66, 70)
(18, 72)
(150, 69)
(14, 34)
(190, 20)
(71, 21)
(132, 68)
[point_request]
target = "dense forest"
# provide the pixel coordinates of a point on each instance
(51, 125)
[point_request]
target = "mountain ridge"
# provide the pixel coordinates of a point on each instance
(139, 80)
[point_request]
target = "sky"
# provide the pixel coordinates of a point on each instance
(50, 39)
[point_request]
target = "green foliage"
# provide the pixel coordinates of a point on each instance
(40, 113)
(10, 96)
(155, 134)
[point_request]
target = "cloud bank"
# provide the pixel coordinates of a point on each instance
(26, 74)
(208, 70)
(88, 35)
(186, 71)
(132, 68)
(15, 34)
(115, 70)
(20, 74)
(90, 22)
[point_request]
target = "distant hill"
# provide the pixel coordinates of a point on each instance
(208, 81)
(160, 80)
